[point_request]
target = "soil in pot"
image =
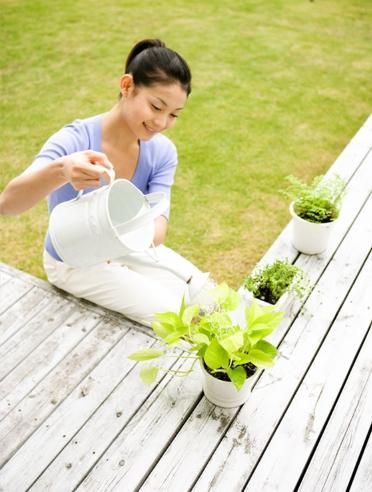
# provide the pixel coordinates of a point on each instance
(267, 296)
(249, 368)
(280, 305)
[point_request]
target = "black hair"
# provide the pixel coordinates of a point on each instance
(151, 62)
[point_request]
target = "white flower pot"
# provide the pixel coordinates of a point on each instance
(309, 237)
(247, 296)
(224, 393)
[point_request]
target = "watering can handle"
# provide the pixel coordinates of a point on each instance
(161, 204)
(110, 173)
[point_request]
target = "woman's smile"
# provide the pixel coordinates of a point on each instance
(150, 129)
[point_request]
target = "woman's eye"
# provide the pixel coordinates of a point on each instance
(155, 107)
(174, 115)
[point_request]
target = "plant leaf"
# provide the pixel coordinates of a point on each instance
(169, 318)
(228, 299)
(241, 358)
(145, 354)
(237, 376)
(190, 313)
(252, 312)
(260, 359)
(256, 315)
(247, 341)
(161, 330)
(258, 335)
(215, 356)
(232, 342)
(174, 337)
(267, 347)
(268, 318)
(200, 338)
(217, 321)
(149, 374)
(182, 307)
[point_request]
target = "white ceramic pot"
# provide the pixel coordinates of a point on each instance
(247, 296)
(223, 393)
(309, 237)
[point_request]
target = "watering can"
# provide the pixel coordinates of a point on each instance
(113, 221)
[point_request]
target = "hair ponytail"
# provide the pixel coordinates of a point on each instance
(141, 46)
(151, 62)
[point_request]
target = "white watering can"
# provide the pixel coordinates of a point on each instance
(112, 221)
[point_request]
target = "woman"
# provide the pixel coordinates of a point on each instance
(128, 138)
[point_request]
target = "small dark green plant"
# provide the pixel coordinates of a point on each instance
(318, 201)
(228, 351)
(271, 281)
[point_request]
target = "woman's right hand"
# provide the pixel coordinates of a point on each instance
(84, 169)
(81, 169)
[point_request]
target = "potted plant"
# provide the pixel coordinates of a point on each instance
(315, 207)
(275, 284)
(229, 352)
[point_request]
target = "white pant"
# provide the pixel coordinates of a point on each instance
(136, 285)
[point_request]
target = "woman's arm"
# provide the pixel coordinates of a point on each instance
(161, 226)
(27, 189)
(162, 180)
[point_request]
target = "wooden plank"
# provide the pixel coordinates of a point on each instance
(4, 277)
(63, 424)
(50, 289)
(257, 419)
(303, 421)
(46, 397)
(190, 448)
(12, 272)
(363, 477)
(107, 428)
(44, 358)
(18, 347)
(21, 313)
(354, 152)
(358, 191)
(337, 453)
(138, 447)
(11, 291)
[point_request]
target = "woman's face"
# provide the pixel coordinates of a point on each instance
(151, 110)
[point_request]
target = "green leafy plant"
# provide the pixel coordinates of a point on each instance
(318, 201)
(228, 351)
(270, 282)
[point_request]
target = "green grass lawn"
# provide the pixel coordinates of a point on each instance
(279, 87)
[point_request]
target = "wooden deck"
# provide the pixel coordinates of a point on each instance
(75, 416)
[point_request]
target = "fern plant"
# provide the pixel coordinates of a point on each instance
(271, 281)
(318, 201)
